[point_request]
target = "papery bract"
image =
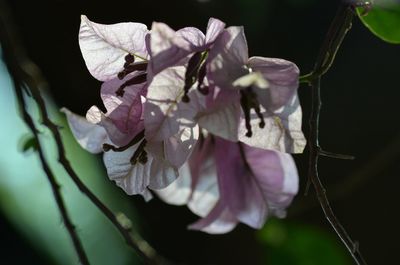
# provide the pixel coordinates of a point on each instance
(104, 47)
(167, 118)
(168, 47)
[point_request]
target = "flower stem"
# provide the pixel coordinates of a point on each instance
(341, 24)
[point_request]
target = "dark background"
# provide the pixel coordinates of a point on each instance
(359, 116)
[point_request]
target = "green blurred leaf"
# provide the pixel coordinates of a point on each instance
(293, 244)
(29, 144)
(383, 20)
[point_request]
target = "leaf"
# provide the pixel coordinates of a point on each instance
(383, 20)
(28, 142)
(296, 244)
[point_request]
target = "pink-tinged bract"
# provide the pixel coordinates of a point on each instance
(104, 47)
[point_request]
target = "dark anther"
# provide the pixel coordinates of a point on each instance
(196, 71)
(135, 140)
(129, 58)
(244, 103)
(143, 158)
(248, 101)
(138, 79)
(191, 74)
(202, 73)
(203, 89)
(185, 98)
(108, 147)
(193, 65)
(260, 116)
(130, 68)
(136, 155)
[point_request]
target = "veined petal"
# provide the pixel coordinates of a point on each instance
(219, 221)
(165, 114)
(124, 112)
(90, 136)
(133, 179)
(282, 130)
(214, 29)
(193, 36)
(221, 117)
(179, 147)
(238, 186)
(254, 183)
(167, 48)
(276, 176)
(179, 191)
(95, 116)
(228, 58)
(162, 172)
(198, 188)
(104, 46)
(282, 77)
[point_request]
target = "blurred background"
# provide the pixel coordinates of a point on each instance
(359, 117)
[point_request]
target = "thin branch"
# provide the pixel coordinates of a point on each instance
(51, 178)
(55, 187)
(340, 26)
(22, 71)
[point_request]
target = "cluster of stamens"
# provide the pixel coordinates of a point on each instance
(248, 101)
(131, 66)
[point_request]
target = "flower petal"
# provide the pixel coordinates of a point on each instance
(219, 221)
(254, 183)
(221, 117)
(105, 46)
(228, 57)
(162, 172)
(282, 130)
(165, 114)
(97, 117)
(179, 191)
(166, 47)
(124, 112)
(90, 136)
(133, 179)
(214, 29)
(282, 77)
(276, 175)
(179, 147)
(193, 36)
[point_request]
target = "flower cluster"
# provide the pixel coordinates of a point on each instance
(195, 120)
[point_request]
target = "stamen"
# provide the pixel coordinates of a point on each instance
(202, 74)
(244, 103)
(129, 58)
(143, 158)
(196, 70)
(249, 101)
(136, 155)
(135, 140)
(203, 90)
(139, 66)
(138, 79)
(260, 116)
